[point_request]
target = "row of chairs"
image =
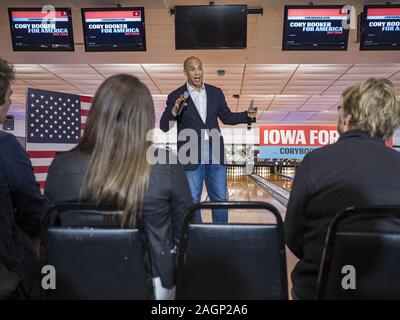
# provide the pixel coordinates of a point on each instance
(95, 259)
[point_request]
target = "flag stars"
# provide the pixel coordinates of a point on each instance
(55, 119)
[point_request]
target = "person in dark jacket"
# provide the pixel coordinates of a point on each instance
(22, 204)
(199, 133)
(110, 165)
(357, 170)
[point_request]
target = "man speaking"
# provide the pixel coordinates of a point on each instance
(197, 106)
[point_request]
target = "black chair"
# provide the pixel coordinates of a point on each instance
(93, 256)
(232, 261)
(361, 258)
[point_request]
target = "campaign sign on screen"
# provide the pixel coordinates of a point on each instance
(381, 28)
(119, 29)
(294, 142)
(34, 30)
(322, 28)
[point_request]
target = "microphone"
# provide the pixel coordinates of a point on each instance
(186, 95)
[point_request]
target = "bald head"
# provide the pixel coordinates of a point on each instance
(193, 70)
(189, 60)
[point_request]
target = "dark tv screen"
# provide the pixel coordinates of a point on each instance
(210, 27)
(315, 28)
(380, 29)
(34, 30)
(114, 29)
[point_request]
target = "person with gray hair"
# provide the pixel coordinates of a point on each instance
(358, 170)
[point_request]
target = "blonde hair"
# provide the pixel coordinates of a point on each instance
(373, 107)
(115, 136)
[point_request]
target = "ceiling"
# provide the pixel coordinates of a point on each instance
(288, 87)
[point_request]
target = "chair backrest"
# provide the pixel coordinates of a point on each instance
(232, 261)
(94, 259)
(361, 258)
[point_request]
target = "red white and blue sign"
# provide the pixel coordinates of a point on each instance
(294, 142)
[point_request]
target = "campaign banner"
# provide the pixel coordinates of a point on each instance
(41, 31)
(382, 29)
(294, 142)
(116, 30)
(322, 28)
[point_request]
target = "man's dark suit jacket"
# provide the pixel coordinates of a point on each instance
(167, 200)
(21, 208)
(190, 119)
(357, 170)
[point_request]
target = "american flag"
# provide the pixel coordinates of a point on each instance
(55, 122)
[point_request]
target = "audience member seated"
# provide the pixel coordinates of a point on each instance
(357, 170)
(19, 221)
(109, 165)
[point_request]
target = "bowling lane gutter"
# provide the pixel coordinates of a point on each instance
(284, 175)
(280, 194)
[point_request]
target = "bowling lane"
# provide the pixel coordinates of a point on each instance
(285, 183)
(242, 188)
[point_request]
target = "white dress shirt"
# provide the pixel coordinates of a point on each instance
(199, 98)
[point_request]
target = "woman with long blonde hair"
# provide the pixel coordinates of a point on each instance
(109, 165)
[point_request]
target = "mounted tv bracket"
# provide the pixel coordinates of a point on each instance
(249, 10)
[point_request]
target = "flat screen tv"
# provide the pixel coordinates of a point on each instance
(380, 27)
(114, 29)
(210, 27)
(35, 30)
(315, 28)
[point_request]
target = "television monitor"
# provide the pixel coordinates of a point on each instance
(35, 30)
(380, 27)
(210, 27)
(114, 29)
(315, 28)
